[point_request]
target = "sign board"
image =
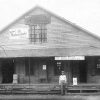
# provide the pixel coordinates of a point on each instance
(70, 58)
(44, 67)
(15, 78)
(37, 19)
(74, 81)
(98, 65)
(18, 33)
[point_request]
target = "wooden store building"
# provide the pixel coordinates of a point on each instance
(37, 46)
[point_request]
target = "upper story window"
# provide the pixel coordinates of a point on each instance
(38, 27)
(38, 33)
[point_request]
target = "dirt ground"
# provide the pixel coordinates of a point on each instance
(47, 97)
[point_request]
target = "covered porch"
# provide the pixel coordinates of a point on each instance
(44, 70)
(81, 89)
(40, 75)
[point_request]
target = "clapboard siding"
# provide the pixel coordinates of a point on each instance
(59, 35)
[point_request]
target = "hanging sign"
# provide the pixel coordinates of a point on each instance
(37, 19)
(44, 67)
(98, 66)
(74, 81)
(70, 58)
(18, 33)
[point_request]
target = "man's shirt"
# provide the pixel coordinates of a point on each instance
(62, 79)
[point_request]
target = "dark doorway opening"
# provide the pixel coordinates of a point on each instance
(7, 70)
(83, 71)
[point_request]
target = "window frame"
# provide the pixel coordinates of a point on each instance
(40, 37)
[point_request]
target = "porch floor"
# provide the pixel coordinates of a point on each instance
(84, 88)
(48, 89)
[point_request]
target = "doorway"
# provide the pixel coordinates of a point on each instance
(82, 71)
(43, 71)
(7, 70)
(79, 70)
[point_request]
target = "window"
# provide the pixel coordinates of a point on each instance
(38, 29)
(97, 66)
(38, 33)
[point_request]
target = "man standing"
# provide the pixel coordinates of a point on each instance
(62, 82)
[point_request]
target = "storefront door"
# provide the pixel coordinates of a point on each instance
(43, 72)
(79, 70)
(82, 72)
(7, 71)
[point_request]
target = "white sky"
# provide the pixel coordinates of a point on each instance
(85, 13)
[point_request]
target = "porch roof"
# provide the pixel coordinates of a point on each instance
(87, 51)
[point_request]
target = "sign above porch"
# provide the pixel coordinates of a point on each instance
(37, 19)
(70, 58)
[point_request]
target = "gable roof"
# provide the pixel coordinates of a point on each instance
(52, 14)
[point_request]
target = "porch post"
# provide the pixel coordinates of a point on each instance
(68, 71)
(29, 69)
